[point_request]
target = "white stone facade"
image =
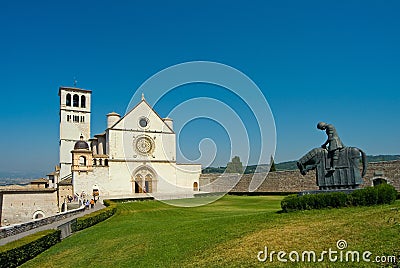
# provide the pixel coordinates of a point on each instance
(24, 205)
(135, 155)
(74, 122)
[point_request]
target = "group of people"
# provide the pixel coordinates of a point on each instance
(89, 203)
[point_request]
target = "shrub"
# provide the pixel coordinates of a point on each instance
(381, 194)
(365, 197)
(387, 194)
(17, 252)
(337, 200)
(107, 202)
(290, 203)
(371, 196)
(314, 201)
(95, 217)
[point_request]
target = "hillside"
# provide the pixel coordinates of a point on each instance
(18, 177)
(291, 165)
(17, 181)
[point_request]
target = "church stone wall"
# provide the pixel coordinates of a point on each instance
(117, 178)
(174, 178)
(22, 206)
(128, 128)
(121, 146)
(26, 226)
(84, 181)
(293, 181)
(64, 191)
(187, 175)
(389, 171)
(141, 156)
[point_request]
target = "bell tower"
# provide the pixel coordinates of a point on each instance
(74, 122)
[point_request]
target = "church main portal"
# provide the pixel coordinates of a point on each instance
(143, 180)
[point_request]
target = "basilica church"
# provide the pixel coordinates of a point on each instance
(135, 155)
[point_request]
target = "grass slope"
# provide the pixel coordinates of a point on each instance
(227, 233)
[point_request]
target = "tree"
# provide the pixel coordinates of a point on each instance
(272, 165)
(235, 166)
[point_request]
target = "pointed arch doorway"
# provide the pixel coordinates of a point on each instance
(144, 180)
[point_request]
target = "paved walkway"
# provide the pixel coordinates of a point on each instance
(53, 225)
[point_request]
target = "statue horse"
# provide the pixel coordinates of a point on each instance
(346, 174)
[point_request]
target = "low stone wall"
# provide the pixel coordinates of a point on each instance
(293, 181)
(26, 226)
(389, 171)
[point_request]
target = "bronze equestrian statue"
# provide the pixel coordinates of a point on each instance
(337, 166)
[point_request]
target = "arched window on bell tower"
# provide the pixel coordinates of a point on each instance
(83, 101)
(68, 100)
(75, 100)
(82, 161)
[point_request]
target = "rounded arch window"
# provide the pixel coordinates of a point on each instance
(75, 101)
(38, 214)
(378, 181)
(138, 177)
(68, 100)
(83, 101)
(82, 161)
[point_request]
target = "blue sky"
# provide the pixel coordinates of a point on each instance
(313, 60)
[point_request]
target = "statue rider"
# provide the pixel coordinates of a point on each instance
(335, 144)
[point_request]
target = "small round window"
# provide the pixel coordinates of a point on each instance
(143, 122)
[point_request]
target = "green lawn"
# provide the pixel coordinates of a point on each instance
(226, 233)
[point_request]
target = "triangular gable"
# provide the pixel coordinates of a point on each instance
(130, 121)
